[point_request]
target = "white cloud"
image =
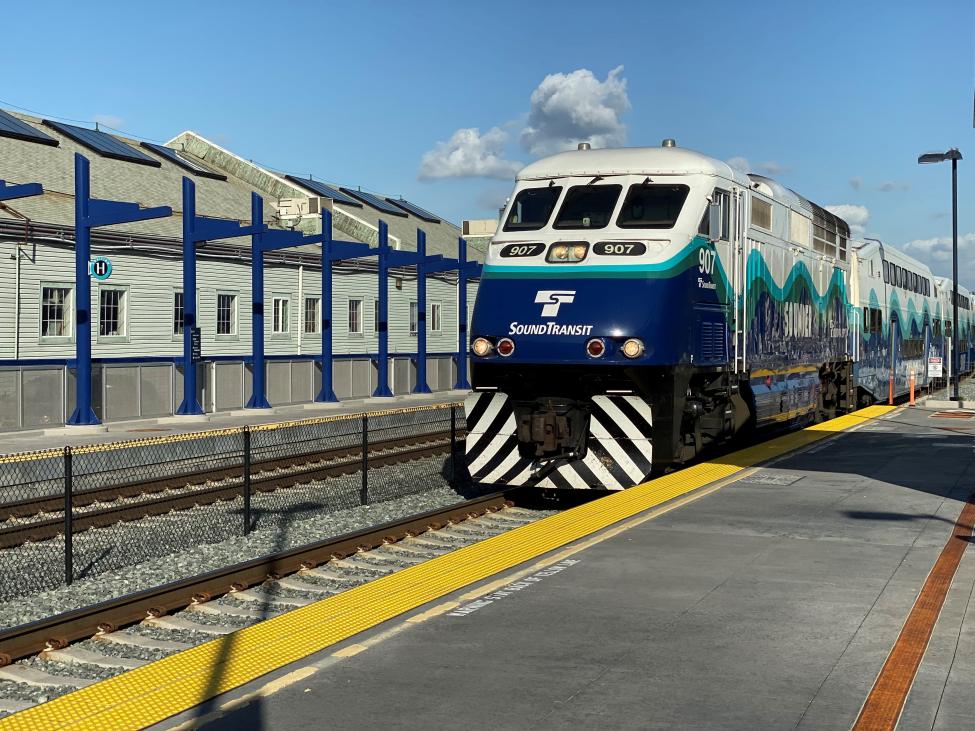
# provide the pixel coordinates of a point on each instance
(855, 216)
(740, 164)
(469, 154)
(938, 249)
(890, 186)
(108, 120)
(570, 108)
(936, 253)
(773, 168)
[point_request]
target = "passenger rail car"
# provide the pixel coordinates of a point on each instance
(638, 305)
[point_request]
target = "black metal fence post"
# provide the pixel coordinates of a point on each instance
(453, 444)
(68, 516)
(247, 480)
(364, 490)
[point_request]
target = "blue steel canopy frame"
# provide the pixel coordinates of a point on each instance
(91, 213)
(335, 250)
(198, 229)
(465, 270)
(25, 190)
(268, 240)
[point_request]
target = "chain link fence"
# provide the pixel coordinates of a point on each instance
(73, 513)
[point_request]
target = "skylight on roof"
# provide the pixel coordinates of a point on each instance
(12, 127)
(375, 201)
(326, 191)
(103, 143)
(178, 157)
(420, 213)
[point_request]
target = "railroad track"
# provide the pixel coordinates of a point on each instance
(136, 629)
(135, 501)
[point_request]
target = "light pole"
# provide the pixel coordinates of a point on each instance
(954, 155)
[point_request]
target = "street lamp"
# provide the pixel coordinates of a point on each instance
(954, 155)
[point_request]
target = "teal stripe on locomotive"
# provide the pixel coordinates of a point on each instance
(673, 305)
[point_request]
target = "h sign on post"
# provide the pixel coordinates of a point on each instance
(100, 268)
(196, 345)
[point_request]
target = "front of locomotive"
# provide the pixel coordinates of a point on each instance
(584, 327)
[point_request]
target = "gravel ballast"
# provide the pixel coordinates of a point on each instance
(114, 562)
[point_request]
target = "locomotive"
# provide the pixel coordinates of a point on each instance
(639, 305)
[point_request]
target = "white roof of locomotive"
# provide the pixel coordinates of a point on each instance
(629, 161)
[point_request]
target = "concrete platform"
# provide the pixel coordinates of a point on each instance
(28, 441)
(771, 602)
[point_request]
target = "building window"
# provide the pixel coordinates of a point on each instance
(226, 314)
(355, 317)
(55, 312)
(761, 213)
(111, 313)
(312, 314)
(435, 309)
(414, 317)
(281, 320)
(177, 313)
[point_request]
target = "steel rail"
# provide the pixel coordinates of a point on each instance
(59, 631)
(329, 463)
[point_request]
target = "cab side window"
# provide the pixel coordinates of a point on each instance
(723, 199)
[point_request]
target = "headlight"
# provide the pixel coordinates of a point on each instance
(567, 253)
(633, 348)
(481, 347)
(506, 346)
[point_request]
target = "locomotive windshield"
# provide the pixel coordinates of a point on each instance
(588, 206)
(652, 206)
(532, 208)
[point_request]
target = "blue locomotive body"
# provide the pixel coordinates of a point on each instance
(637, 306)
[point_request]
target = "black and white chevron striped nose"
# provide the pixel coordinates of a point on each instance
(619, 447)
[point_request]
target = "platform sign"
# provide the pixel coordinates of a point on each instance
(100, 268)
(196, 345)
(935, 369)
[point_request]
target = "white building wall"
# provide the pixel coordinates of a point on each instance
(151, 281)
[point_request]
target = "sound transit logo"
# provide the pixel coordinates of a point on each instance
(552, 299)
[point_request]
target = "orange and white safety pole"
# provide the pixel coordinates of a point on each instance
(912, 388)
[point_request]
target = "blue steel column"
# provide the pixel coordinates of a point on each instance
(326, 394)
(83, 413)
(421, 314)
(258, 399)
(382, 385)
(462, 344)
(190, 403)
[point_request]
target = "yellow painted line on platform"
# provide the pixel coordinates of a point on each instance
(441, 609)
(161, 689)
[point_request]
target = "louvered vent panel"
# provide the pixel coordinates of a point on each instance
(712, 341)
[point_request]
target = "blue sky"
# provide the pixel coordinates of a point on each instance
(834, 99)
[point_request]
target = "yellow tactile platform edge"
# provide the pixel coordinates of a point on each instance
(211, 433)
(154, 692)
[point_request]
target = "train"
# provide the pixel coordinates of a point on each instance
(639, 306)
